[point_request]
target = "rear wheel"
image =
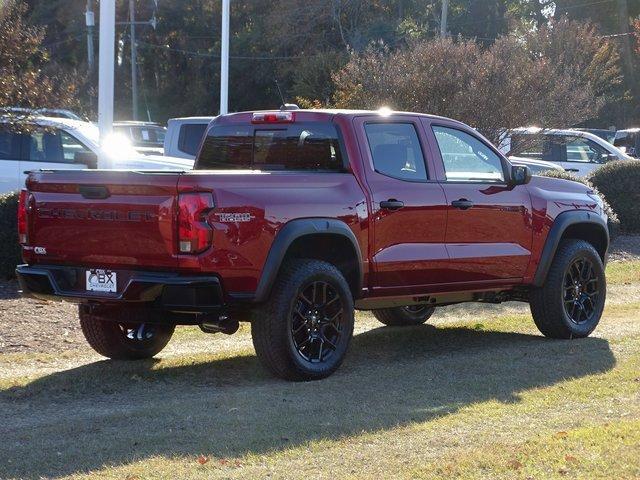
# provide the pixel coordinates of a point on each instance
(304, 330)
(123, 340)
(571, 301)
(404, 316)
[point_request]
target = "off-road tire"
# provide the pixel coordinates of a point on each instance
(109, 338)
(273, 324)
(547, 302)
(403, 316)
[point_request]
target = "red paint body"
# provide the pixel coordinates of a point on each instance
(428, 246)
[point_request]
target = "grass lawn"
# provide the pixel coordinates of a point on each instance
(476, 394)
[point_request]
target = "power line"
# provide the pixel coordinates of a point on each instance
(60, 42)
(217, 56)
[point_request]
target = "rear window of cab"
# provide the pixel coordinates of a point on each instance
(298, 146)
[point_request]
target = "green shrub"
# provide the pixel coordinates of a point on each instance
(613, 220)
(619, 182)
(9, 249)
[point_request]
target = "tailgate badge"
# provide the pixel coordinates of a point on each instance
(235, 217)
(40, 251)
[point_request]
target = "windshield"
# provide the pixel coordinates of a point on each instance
(629, 142)
(308, 146)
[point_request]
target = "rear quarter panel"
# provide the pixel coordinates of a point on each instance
(267, 201)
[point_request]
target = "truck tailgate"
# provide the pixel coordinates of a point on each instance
(102, 219)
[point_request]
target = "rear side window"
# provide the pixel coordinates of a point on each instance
(9, 145)
(396, 150)
(190, 136)
(527, 145)
(310, 146)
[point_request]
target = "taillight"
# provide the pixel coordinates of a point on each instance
(22, 217)
(273, 117)
(194, 233)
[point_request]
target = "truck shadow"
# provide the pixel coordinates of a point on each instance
(109, 413)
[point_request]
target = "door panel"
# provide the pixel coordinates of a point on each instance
(492, 239)
(408, 248)
(489, 227)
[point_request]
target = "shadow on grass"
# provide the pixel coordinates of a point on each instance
(110, 413)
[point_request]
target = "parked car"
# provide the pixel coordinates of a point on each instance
(184, 136)
(68, 144)
(628, 141)
(606, 134)
(536, 166)
(146, 137)
(576, 151)
(291, 220)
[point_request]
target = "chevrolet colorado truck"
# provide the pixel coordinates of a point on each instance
(293, 219)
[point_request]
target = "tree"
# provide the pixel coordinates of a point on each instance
(27, 77)
(513, 83)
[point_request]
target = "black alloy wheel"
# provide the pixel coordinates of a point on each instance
(316, 322)
(581, 291)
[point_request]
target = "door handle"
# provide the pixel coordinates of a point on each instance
(462, 204)
(392, 204)
(571, 170)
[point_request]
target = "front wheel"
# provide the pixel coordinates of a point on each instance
(404, 316)
(128, 340)
(571, 301)
(304, 330)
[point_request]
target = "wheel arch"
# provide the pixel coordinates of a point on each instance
(578, 224)
(325, 239)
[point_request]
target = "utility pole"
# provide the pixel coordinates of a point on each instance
(134, 60)
(224, 59)
(90, 21)
(106, 68)
(627, 53)
(443, 18)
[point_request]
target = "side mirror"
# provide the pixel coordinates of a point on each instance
(89, 159)
(520, 175)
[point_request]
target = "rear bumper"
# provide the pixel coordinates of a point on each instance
(167, 291)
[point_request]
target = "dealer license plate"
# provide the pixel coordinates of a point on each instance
(101, 280)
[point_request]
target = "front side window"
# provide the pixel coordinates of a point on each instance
(71, 147)
(466, 158)
(307, 146)
(568, 148)
(396, 150)
(53, 146)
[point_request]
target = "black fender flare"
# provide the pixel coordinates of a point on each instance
(560, 225)
(285, 238)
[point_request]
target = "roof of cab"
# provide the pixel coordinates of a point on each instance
(325, 114)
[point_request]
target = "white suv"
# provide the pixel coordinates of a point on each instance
(576, 151)
(63, 144)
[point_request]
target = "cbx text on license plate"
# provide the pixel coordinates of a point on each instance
(101, 280)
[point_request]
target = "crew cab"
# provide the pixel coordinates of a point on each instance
(291, 220)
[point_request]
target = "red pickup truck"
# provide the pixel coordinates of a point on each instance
(293, 219)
